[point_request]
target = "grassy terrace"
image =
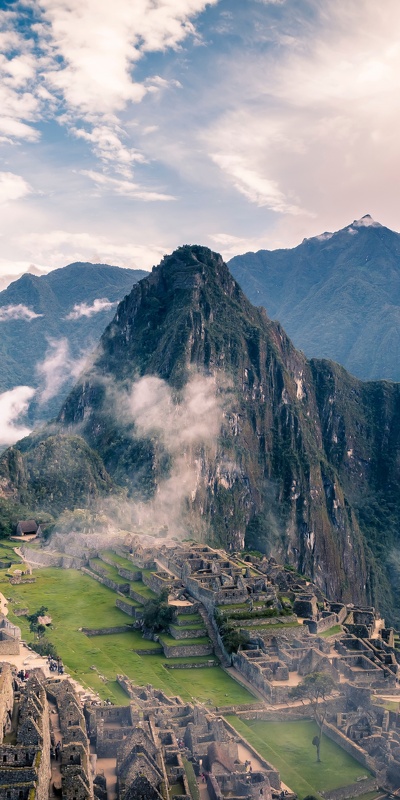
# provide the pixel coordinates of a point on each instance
(7, 553)
(288, 747)
(270, 626)
(143, 590)
(168, 640)
(74, 601)
(120, 561)
(102, 568)
(190, 619)
(129, 601)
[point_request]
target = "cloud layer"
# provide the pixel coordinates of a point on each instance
(13, 405)
(17, 312)
(84, 310)
(57, 368)
(264, 122)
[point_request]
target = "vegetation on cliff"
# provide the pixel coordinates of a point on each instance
(305, 466)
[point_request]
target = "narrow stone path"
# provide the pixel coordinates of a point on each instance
(55, 779)
(212, 635)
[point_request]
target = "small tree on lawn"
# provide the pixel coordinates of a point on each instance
(157, 614)
(315, 688)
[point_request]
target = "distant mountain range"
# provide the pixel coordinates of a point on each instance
(303, 461)
(337, 295)
(59, 316)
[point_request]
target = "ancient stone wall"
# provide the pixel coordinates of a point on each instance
(352, 790)
(322, 624)
(116, 587)
(193, 665)
(133, 574)
(6, 698)
(156, 582)
(9, 647)
(105, 631)
(136, 596)
(125, 607)
(183, 651)
(181, 633)
(350, 747)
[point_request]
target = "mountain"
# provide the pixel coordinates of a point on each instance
(306, 465)
(337, 295)
(5, 280)
(37, 310)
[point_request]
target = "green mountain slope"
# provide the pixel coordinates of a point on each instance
(337, 295)
(24, 343)
(306, 465)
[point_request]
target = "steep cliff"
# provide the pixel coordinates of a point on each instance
(306, 464)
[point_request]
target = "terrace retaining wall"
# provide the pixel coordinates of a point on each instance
(352, 790)
(185, 633)
(106, 631)
(129, 574)
(128, 609)
(350, 747)
(116, 587)
(185, 650)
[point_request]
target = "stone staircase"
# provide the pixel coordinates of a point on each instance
(219, 652)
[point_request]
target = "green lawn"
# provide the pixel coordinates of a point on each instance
(7, 552)
(74, 601)
(287, 746)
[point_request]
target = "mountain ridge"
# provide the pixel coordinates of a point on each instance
(336, 294)
(306, 464)
(36, 310)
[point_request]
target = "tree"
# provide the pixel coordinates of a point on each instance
(157, 614)
(315, 688)
(233, 638)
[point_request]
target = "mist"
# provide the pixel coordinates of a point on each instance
(57, 368)
(186, 427)
(13, 405)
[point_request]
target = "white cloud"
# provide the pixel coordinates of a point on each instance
(57, 368)
(125, 187)
(84, 310)
(258, 189)
(17, 312)
(13, 405)
(197, 418)
(307, 128)
(60, 246)
(92, 48)
(13, 187)
(108, 146)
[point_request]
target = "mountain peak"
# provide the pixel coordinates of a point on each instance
(366, 222)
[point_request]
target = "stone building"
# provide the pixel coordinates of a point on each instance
(25, 759)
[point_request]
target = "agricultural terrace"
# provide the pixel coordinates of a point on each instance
(288, 746)
(75, 601)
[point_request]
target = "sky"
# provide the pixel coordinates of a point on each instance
(128, 128)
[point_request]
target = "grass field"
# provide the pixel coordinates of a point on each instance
(74, 601)
(287, 746)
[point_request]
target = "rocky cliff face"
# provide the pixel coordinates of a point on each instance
(306, 465)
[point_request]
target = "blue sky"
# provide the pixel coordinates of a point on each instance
(130, 127)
